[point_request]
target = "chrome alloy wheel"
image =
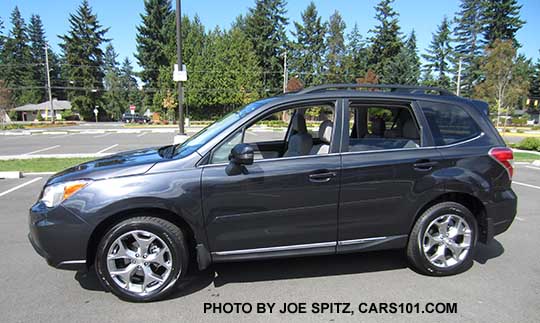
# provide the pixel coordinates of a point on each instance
(447, 240)
(139, 262)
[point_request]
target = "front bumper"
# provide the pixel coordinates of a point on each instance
(59, 236)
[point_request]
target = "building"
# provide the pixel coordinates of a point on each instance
(30, 112)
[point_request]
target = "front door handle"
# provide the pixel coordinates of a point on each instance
(321, 176)
(424, 165)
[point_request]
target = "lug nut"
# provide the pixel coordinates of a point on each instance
(136, 255)
(146, 264)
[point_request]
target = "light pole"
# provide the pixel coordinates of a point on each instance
(181, 131)
(48, 83)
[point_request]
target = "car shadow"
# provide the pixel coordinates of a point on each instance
(291, 268)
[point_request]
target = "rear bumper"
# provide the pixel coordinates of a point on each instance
(58, 236)
(501, 213)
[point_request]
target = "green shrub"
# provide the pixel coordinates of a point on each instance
(529, 144)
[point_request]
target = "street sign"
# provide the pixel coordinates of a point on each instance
(132, 109)
(180, 76)
(96, 111)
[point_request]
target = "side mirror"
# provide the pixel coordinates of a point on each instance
(241, 154)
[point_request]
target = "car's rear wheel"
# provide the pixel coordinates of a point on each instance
(141, 259)
(443, 239)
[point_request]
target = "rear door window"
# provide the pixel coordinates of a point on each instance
(449, 123)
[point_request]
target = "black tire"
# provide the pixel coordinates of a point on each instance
(415, 248)
(170, 234)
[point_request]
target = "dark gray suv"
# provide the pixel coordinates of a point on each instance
(331, 169)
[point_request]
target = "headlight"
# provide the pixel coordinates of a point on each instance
(56, 193)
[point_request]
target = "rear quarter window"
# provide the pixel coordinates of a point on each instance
(449, 123)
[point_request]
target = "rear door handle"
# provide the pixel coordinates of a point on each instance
(321, 176)
(424, 165)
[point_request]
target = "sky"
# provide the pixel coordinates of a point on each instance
(123, 16)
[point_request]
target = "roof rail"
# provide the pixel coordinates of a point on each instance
(392, 87)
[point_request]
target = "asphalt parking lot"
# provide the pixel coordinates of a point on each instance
(502, 286)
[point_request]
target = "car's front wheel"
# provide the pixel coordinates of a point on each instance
(443, 239)
(141, 259)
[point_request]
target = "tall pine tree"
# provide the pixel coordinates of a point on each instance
(356, 59)
(309, 47)
(2, 38)
(335, 55)
(84, 60)
(153, 40)
(37, 39)
(502, 21)
(265, 27)
(405, 67)
(468, 40)
(131, 94)
(439, 53)
(18, 65)
(534, 88)
(385, 41)
(114, 104)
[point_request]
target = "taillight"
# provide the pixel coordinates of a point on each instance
(505, 157)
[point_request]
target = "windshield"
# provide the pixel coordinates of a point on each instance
(208, 133)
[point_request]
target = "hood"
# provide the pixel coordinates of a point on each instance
(124, 164)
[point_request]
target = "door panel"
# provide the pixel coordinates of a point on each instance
(382, 190)
(275, 203)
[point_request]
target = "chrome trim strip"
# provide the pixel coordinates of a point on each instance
(272, 249)
(72, 262)
(361, 241)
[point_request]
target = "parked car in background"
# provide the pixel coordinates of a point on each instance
(388, 167)
(135, 118)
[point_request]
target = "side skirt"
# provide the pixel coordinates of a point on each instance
(312, 249)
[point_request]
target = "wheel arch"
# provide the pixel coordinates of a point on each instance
(471, 202)
(118, 217)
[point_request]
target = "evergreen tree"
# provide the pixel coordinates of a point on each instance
(335, 56)
(113, 97)
(405, 67)
(265, 28)
(386, 40)
(37, 39)
(153, 37)
(18, 66)
(2, 38)
(534, 88)
(468, 39)
(84, 60)
(128, 83)
(502, 21)
(309, 47)
(356, 55)
(439, 54)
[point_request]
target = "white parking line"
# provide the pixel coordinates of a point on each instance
(526, 185)
(40, 150)
(104, 135)
(532, 167)
(104, 150)
(20, 186)
(142, 134)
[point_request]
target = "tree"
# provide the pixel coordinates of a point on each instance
(131, 95)
(505, 83)
(113, 98)
(265, 28)
(37, 42)
(385, 42)
(84, 60)
(2, 38)
(502, 21)
(468, 39)
(439, 54)
(534, 88)
(356, 55)
(335, 55)
(153, 38)
(308, 49)
(405, 67)
(16, 57)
